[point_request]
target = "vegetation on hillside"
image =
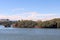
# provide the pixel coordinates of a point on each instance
(54, 23)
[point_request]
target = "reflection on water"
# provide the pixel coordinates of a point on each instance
(1, 27)
(29, 34)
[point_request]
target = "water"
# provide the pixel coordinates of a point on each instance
(1, 27)
(29, 34)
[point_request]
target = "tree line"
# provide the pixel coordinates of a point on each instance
(54, 23)
(7, 23)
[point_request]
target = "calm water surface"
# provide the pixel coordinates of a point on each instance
(29, 34)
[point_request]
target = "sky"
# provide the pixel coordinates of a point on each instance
(29, 9)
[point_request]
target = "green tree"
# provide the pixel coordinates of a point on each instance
(39, 23)
(26, 24)
(57, 21)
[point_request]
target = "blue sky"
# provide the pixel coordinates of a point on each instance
(29, 9)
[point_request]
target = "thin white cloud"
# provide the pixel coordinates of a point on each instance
(30, 16)
(11, 17)
(17, 9)
(39, 16)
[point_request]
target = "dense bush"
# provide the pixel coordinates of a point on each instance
(25, 24)
(54, 23)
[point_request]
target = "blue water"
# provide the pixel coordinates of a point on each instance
(1, 27)
(29, 34)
